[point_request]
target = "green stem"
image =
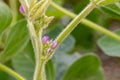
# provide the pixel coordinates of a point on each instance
(39, 70)
(9, 71)
(13, 6)
(87, 22)
(76, 21)
(37, 45)
(101, 29)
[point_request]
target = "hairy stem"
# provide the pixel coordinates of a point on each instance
(87, 22)
(11, 72)
(37, 45)
(39, 71)
(76, 21)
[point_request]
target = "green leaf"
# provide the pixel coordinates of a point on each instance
(109, 45)
(5, 16)
(106, 2)
(67, 44)
(85, 68)
(16, 41)
(51, 10)
(85, 39)
(24, 62)
(58, 2)
(112, 10)
(24, 65)
(50, 70)
(3, 75)
(30, 52)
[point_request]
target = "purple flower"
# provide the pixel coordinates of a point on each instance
(45, 39)
(49, 50)
(22, 9)
(53, 44)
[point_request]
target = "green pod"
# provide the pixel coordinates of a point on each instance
(35, 8)
(41, 10)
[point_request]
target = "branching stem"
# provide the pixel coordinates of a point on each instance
(87, 22)
(75, 22)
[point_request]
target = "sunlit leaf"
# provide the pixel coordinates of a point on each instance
(50, 74)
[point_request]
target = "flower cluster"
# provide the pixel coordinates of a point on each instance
(49, 45)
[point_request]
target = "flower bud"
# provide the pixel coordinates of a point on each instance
(22, 9)
(53, 44)
(45, 39)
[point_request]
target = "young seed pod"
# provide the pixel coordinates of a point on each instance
(34, 9)
(47, 21)
(41, 10)
(32, 3)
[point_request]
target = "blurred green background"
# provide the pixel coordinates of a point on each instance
(68, 62)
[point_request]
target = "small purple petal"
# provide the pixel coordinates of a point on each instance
(45, 39)
(53, 44)
(21, 9)
(49, 50)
